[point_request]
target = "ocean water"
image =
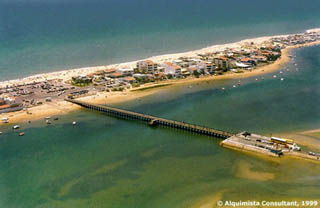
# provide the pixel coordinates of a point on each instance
(107, 162)
(39, 36)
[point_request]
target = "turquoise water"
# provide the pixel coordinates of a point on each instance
(42, 36)
(107, 162)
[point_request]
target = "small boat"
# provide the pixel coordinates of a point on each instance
(274, 76)
(223, 88)
(16, 127)
(21, 134)
(234, 86)
(47, 118)
(0, 132)
(74, 123)
(256, 79)
(281, 72)
(48, 122)
(56, 119)
(282, 79)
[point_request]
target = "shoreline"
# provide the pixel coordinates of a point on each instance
(56, 108)
(68, 73)
(62, 107)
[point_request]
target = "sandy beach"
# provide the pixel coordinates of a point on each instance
(69, 73)
(59, 108)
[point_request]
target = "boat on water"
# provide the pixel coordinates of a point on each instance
(16, 127)
(56, 119)
(282, 79)
(74, 123)
(0, 132)
(48, 122)
(47, 118)
(21, 134)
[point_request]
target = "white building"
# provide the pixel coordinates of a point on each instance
(147, 66)
(125, 71)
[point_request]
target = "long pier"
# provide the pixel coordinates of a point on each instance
(152, 120)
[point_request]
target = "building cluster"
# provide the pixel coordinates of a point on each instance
(9, 104)
(234, 60)
(298, 39)
(230, 60)
(273, 146)
(17, 97)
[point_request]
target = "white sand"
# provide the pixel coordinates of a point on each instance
(68, 74)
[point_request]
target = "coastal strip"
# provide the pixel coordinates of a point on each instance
(43, 95)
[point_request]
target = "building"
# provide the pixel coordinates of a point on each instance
(125, 71)
(130, 80)
(2, 101)
(210, 67)
(171, 69)
(82, 79)
(116, 75)
(147, 67)
(109, 71)
(248, 61)
(222, 63)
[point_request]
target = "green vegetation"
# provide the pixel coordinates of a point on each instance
(152, 87)
(196, 74)
(118, 89)
(80, 82)
(273, 57)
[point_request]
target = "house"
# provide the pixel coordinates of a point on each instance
(185, 72)
(248, 61)
(147, 66)
(125, 71)
(171, 69)
(193, 69)
(115, 75)
(130, 80)
(110, 71)
(260, 59)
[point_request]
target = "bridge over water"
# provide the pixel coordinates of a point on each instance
(152, 120)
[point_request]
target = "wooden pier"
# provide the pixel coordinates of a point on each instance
(152, 120)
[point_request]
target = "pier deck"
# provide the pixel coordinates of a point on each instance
(152, 120)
